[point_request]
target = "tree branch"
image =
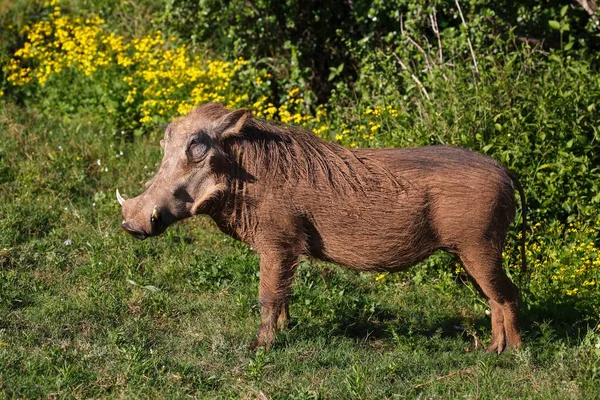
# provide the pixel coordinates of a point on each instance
(468, 40)
(588, 5)
(414, 78)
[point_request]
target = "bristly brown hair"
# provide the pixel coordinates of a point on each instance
(290, 153)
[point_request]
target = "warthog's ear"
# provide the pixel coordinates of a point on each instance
(232, 123)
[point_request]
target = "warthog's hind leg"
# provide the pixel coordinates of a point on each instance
(484, 266)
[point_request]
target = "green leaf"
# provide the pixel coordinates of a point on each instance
(554, 24)
(563, 10)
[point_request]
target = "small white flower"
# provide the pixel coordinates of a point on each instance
(98, 162)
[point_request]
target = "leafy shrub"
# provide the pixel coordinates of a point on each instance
(308, 41)
(76, 63)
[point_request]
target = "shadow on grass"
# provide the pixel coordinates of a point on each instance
(541, 321)
(360, 323)
(547, 320)
(561, 317)
(384, 325)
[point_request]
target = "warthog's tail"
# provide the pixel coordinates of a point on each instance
(523, 224)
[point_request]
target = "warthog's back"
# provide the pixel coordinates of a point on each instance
(416, 200)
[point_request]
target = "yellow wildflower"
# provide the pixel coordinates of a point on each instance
(381, 276)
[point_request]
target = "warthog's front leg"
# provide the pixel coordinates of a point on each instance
(276, 273)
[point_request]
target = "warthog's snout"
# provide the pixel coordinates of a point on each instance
(141, 222)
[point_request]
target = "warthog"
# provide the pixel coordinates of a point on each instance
(286, 193)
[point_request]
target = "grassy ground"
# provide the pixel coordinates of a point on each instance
(87, 311)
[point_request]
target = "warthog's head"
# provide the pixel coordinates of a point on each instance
(191, 172)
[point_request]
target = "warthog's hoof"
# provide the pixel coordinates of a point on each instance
(498, 346)
(262, 340)
(495, 348)
(254, 345)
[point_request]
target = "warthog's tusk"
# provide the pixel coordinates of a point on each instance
(120, 198)
(154, 216)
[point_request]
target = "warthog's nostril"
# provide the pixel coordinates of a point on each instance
(138, 234)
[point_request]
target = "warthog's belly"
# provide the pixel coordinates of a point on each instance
(378, 234)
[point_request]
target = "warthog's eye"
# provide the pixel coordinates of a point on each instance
(197, 148)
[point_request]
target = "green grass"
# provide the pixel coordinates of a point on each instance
(87, 311)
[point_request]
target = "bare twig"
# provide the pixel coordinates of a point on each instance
(537, 44)
(428, 60)
(473, 334)
(402, 24)
(468, 39)
(414, 78)
(436, 32)
(531, 41)
(253, 7)
(588, 5)
(450, 375)
(261, 396)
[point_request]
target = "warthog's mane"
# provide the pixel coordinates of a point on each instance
(289, 154)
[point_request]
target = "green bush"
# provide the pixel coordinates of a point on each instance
(310, 41)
